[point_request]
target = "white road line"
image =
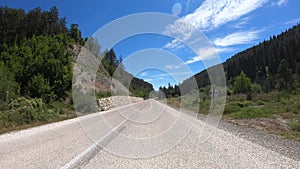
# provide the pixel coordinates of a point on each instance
(94, 148)
(88, 153)
(91, 151)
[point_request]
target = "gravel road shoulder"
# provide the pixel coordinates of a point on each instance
(273, 142)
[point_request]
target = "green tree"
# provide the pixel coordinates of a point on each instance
(285, 73)
(267, 84)
(110, 61)
(17, 25)
(298, 71)
(39, 87)
(42, 55)
(121, 65)
(9, 88)
(243, 85)
(75, 33)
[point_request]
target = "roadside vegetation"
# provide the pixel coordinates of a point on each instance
(37, 55)
(276, 112)
(35, 67)
(263, 86)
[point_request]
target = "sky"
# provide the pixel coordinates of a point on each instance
(204, 32)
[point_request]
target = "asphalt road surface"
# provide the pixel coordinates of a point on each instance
(142, 135)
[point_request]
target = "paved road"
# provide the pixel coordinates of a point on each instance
(147, 135)
(53, 145)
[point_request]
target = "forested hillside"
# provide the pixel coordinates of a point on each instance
(272, 64)
(37, 55)
(137, 87)
(36, 65)
(35, 51)
(263, 86)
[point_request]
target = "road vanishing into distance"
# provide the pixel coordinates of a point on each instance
(147, 134)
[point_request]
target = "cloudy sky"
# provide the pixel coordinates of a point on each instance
(227, 26)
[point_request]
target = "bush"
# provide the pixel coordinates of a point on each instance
(26, 111)
(295, 125)
(231, 108)
(39, 87)
(9, 89)
(257, 89)
(248, 113)
(243, 85)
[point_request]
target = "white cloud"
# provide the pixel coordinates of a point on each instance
(148, 80)
(238, 38)
(183, 74)
(203, 54)
(161, 75)
(174, 45)
(180, 30)
(280, 3)
(143, 74)
(241, 23)
(169, 74)
(223, 50)
(174, 66)
(208, 53)
(211, 14)
(293, 21)
(216, 13)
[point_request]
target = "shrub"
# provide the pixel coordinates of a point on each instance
(25, 111)
(242, 84)
(248, 113)
(295, 125)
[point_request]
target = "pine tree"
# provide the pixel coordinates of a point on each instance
(298, 71)
(285, 73)
(76, 34)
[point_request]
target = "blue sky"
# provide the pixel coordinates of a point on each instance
(230, 26)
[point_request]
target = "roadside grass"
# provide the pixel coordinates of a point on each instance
(65, 109)
(291, 136)
(263, 105)
(248, 113)
(174, 102)
(274, 106)
(190, 102)
(295, 122)
(34, 124)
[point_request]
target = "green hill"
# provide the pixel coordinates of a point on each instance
(262, 63)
